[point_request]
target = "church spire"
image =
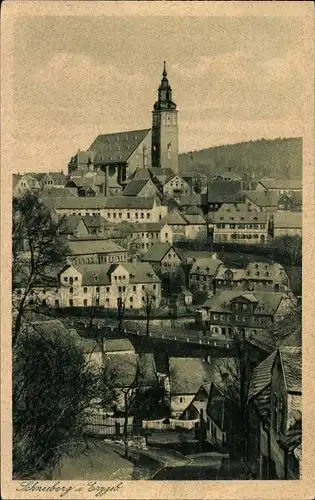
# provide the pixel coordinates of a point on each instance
(164, 93)
(164, 70)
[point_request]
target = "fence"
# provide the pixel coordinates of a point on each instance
(100, 424)
(169, 424)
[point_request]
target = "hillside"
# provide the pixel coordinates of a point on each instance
(277, 158)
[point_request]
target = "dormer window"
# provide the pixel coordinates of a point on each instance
(242, 218)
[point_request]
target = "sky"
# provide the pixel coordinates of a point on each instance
(233, 78)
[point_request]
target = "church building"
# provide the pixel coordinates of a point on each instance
(119, 155)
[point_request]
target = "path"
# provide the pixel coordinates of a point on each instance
(98, 462)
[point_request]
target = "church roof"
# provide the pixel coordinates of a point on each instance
(141, 173)
(117, 147)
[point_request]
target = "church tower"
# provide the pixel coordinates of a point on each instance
(164, 128)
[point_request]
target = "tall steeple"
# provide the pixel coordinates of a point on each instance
(164, 93)
(164, 127)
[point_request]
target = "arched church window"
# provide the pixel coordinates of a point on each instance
(169, 151)
(145, 156)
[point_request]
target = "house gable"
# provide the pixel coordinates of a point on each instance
(69, 275)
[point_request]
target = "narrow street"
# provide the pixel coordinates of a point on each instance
(96, 461)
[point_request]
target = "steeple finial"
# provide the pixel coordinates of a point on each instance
(164, 70)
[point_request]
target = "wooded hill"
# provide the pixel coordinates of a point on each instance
(276, 158)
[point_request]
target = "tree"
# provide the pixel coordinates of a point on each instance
(174, 281)
(35, 229)
(53, 385)
(149, 305)
(286, 327)
(234, 381)
(288, 249)
(141, 394)
(197, 185)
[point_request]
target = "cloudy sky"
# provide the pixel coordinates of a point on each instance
(233, 79)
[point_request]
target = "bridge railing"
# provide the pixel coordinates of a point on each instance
(184, 337)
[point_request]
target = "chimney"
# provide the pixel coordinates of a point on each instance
(106, 187)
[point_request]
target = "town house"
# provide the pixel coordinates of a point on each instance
(128, 373)
(178, 223)
(73, 226)
(96, 252)
(261, 201)
(163, 255)
(261, 275)
(280, 186)
(251, 312)
(219, 418)
(185, 225)
(244, 227)
(141, 188)
(175, 186)
(24, 183)
(52, 179)
(259, 416)
(281, 432)
(287, 223)
(227, 278)
(197, 408)
(83, 285)
(186, 376)
(113, 208)
(193, 203)
(203, 272)
(290, 202)
(220, 191)
(145, 235)
(95, 224)
(286, 411)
